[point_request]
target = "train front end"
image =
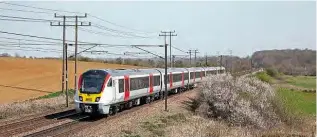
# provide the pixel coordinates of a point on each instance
(95, 92)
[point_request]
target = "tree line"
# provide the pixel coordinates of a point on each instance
(288, 61)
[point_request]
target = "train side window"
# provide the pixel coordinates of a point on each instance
(134, 84)
(109, 83)
(191, 75)
(146, 82)
(185, 76)
(121, 86)
(156, 80)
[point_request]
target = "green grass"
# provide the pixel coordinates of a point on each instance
(302, 81)
(263, 76)
(56, 94)
(298, 102)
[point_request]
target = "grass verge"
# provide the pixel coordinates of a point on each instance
(298, 102)
(263, 76)
(56, 94)
(302, 81)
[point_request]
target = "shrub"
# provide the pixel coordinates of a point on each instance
(245, 101)
(263, 76)
(272, 72)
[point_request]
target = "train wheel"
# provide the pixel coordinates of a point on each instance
(152, 98)
(148, 100)
(113, 110)
(176, 90)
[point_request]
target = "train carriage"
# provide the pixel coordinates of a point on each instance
(196, 75)
(119, 86)
(107, 91)
(177, 79)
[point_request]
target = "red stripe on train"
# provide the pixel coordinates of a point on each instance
(171, 80)
(126, 88)
(151, 83)
(104, 82)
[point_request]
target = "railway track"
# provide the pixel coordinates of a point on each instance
(26, 125)
(84, 121)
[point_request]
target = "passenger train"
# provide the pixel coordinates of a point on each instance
(108, 91)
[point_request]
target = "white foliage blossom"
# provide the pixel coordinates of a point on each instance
(244, 101)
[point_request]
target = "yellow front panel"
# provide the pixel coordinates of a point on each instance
(89, 97)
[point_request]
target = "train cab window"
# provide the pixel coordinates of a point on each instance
(109, 83)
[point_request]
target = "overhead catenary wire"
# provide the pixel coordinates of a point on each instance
(25, 18)
(31, 50)
(20, 20)
(179, 49)
(119, 31)
(27, 6)
(35, 48)
(93, 16)
(149, 52)
(55, 39)
(40, 12)
(102, 33)
(21, 39)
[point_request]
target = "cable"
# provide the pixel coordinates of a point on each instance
(15, 17)
(117, 31)
(118, 25)
(149, 52)
(29, 40)
(76, 13)
(101, 33)
(179, 49)
(5, 45)
(25, 11)
(30, 44)
(26, 35)
(37, 7)
(30, 50)
(83, 43)
(20, 20)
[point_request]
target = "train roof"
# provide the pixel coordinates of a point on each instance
(122, 72)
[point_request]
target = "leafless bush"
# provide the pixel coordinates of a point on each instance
(29, 107)
(245, 101)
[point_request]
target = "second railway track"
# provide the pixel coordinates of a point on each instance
(16, 128)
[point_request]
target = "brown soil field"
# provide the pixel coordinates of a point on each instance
(23, 78)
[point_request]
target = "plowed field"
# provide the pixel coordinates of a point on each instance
(22, 79)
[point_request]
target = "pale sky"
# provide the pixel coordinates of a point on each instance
(209, 26)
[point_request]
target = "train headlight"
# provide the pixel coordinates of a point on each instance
(80, 98)
(97, 99)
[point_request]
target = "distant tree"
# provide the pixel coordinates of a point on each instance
(151, 63)
(118, 61)
(5, 55)
(290, 62)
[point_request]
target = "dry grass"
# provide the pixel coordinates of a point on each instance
(23, 108)
(23, 78)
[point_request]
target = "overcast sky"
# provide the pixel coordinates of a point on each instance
(210, 26)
